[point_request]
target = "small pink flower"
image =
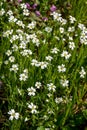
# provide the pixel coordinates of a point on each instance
(19, 1)
(34, 6)
(28, 6)
(53, 8)
(45, 19)
(37, 13)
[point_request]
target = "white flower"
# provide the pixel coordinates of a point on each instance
(65, 54)
(48, 29)
(71, 45)
(83, 37)
(64, 82)
(54, 50)
(2, 12)
(14, 68)
(26, 119)
(61, 68)
(81, 26)
(21, 37)
(82, 72)
(31, 91)
(20, 91)
(70, 38)
(64, 39)
(26, 12)
(7, 33)
(50, 111)
(35, 40)
(61, 30)
(19, 31)
(25, 71)
(59, 100)
(32, 25)
(49, 95)
(56, 16)
(11, 58)
(15, 47)
(12, 18)
(11, 0)
(43, 65)
(14, 37)
(47, 100)
(13, 114)
(38, 85)
(44, 41)
(34, 62)
(10, 12)
(52, 87)
(63, 21)
(26, 52)
(22, 45)
(49, 58)
(23, 6)
(32, 107)
(23, 77)
(72, 19)
(6, 62)
(9, 52)
(71, 29)
(2, 3)
(32, 36)
(20, 23)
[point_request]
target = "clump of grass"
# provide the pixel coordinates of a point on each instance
(43, 67)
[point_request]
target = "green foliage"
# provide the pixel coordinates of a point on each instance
(40, 128)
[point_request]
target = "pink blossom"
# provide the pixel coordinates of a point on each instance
(34, 6)
(28, 5)
(45, 19)
(37, 13)
(19, 1)
(53, 8)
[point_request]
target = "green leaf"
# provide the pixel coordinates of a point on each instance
(85, 113)
(41, 128)
(38, 2)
